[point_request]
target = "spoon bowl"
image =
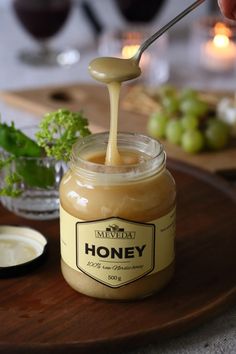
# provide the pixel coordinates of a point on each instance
(109, 69)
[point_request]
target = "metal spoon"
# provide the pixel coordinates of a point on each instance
(108, 69)
(156, 35)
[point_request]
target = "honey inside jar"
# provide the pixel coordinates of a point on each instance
(132, 196)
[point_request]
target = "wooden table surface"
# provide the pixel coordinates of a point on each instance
(93, 100)
(40, 313)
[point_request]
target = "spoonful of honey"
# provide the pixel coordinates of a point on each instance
(113, 71)
(109, 69)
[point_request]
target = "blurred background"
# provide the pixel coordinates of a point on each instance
(79, 30)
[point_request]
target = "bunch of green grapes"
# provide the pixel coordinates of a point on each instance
(185, 120)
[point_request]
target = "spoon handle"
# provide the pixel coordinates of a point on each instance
(156, 35)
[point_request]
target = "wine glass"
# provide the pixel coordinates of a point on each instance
(125, 42)
(138, 11)
(42, 19)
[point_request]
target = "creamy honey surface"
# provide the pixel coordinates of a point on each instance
(127, 158)
(108, 69)
(144, 199)
(112, 155)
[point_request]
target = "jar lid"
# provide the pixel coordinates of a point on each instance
(21, 249)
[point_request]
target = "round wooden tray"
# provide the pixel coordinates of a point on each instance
(40, 313)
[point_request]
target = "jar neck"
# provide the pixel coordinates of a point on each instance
(153, 163)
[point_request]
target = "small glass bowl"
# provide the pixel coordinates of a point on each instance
(38, 186)
(39, 198)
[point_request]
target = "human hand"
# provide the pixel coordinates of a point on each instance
(228, 8)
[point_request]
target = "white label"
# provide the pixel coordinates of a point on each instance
(115, 251)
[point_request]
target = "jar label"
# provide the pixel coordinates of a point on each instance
(116, 251)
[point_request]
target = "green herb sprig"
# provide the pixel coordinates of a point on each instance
(10, 181)
(10, 189)
(58, 131)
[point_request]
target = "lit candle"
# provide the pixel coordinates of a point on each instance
(219, 53)
(129, 50)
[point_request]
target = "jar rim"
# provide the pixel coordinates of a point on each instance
(144, 144)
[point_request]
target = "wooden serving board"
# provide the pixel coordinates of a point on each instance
(93, 100)
(41, 314)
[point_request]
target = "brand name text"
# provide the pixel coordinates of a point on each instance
(115, 234)
(114, 253)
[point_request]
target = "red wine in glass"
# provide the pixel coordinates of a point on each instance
(139, 11)
(43, 19)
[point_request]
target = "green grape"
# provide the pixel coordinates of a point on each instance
(193, 106)
(174, 131)
(157, 125)
(188, 93)
(192, 141)
(170, 104)
(167, 91)
(189, 122)
(217, 134)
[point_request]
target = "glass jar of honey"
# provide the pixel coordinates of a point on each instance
(117, 222)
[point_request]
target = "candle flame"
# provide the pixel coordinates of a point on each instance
(133, 36)
(222, 35)
(128, 51)
(221, 28)
(221, 41)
